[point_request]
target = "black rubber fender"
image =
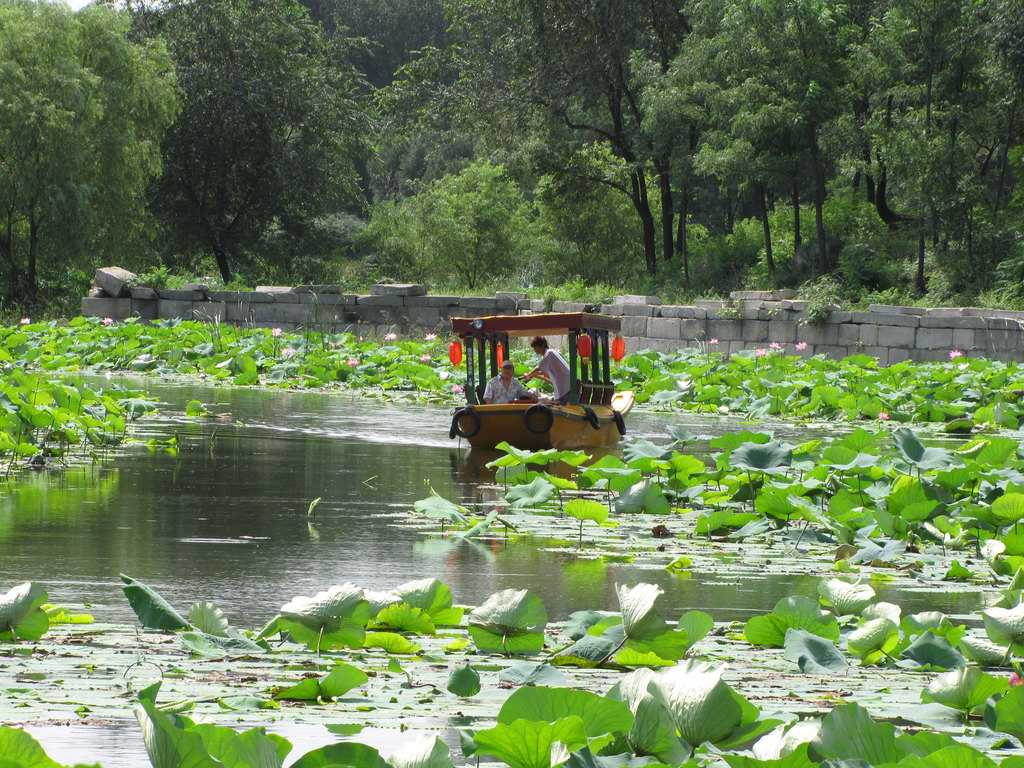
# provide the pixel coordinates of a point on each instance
(457, 423)
(620, 423)
(591, 417)
(531, 413)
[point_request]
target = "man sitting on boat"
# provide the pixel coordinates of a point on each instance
(552, 368)
(506, 388)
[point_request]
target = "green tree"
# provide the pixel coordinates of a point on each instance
(553, 77)
(272, 125)
(463, 229)
(82, 113)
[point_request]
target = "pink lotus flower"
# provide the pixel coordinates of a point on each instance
(25, 321)
(760, 352)
(955, 353)
(287, 352)
(424, 358)
(775, 345)
(352, 362)
(390, 336)
(883, 416)
(276, 333)
(457, 389)
(1016, 679)
(801, 346)
(108, 321)
(430, 337)
(713, 342)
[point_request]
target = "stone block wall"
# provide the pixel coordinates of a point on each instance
(751, 320)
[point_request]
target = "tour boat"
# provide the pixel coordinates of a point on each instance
(594, 414)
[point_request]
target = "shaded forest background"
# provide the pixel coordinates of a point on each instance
(864, 151)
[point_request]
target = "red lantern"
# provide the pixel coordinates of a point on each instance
(455, 352)
(618, 348)
(584, 346)
(499, 349)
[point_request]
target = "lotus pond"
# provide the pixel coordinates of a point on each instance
(960, 395)
(333, 570)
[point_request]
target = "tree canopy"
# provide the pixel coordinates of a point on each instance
(686, 148)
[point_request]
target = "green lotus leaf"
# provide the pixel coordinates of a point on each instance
(404, 618)
(645, 497)
(19, 750)
(700, 703)
(463, 681)
(849, 733)
(798, 758)
(1009, 508)
(761, 457)
(21, 612)
(432, 596)
(600, 715)
(531, 744)
(532, 494)
(585, 509)
(640, 621)
(915, 453)
(217, 646)
(173, 741)
(930, 650)
(340, 680)
(335, 618)
(653, 731)
(846, 598)
(421, 752)
(343, 755)
(1005, 626)
(791, 613)
(510, 621)
(531, 673)
(966, 689)
(208, 619)
(983, 651)
(391, 642)
(153, 610)
(437, 507)
(953, 756)
(873, 639)
(883, 611)
(813, 654)
(1006, 714)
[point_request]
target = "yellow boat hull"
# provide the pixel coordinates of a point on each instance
(485, 426)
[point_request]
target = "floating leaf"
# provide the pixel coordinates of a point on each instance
(791, 613)
(511, 621)
(153, 611)
(530, 744)
(813, 654)
(600, 715)
(966, 689)
(463, 681)
(21, 612)
(329, 620)
(846, 598)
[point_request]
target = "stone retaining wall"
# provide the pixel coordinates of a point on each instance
(751, 320)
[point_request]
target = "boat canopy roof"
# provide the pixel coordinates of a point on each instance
(555, 323)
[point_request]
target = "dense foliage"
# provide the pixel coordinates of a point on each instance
(82, 115)
(603, 687)
(962, 395)
(685, 149)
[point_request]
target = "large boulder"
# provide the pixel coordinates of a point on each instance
(114, 281)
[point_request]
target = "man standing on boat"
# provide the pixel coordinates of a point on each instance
(552, 368)
(506, 388)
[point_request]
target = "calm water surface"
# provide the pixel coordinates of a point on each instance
(225, 521)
